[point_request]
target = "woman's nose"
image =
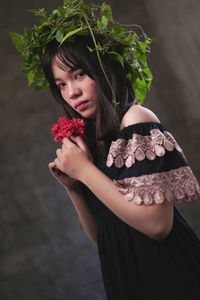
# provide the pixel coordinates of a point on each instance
(74, 91)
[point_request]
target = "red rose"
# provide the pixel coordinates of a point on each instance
(66, 128)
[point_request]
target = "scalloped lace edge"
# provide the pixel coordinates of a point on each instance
(174, 185)
(139, 147)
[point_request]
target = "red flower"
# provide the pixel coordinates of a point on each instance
(66, 128)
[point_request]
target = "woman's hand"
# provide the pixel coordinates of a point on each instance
(73, 157)
(62, 178)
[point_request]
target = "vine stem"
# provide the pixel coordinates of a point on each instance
(114, 101)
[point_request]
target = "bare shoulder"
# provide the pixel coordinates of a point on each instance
(138, 114)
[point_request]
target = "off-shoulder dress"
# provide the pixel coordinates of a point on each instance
(146, 163)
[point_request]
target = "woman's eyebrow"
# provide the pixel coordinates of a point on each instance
(57, 79)
(71, 70)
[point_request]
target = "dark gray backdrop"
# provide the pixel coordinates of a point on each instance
(43, 253)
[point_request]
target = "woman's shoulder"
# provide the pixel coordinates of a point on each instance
(138, 114)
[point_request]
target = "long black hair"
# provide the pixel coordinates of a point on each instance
(77, 55)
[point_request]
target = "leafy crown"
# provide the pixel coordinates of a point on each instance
(76, 18)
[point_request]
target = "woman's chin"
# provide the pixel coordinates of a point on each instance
(88, 114)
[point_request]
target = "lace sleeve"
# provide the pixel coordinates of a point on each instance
(153, 166)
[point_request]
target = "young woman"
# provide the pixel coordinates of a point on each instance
(126, 174)
(123, 179)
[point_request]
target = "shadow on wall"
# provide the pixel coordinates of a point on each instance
(44, 253)
(175, 92)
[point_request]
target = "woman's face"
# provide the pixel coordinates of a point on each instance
(76, 88)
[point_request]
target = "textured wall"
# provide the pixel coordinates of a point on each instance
(43, 253)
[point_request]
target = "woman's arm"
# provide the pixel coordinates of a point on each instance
(154, 221)
(86, 218)
(75, 191)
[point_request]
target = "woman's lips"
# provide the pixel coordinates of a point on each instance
(81, 105)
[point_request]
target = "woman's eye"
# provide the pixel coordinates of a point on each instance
(60, 85)
(79, 74)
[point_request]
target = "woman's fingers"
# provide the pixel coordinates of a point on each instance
(80, 142)
(57, 162)
(59, 152)
(75, 140)
(56, 172)
(52, 165)
(53, 168)
(73, 154)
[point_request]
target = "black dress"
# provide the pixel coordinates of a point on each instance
(147, 164)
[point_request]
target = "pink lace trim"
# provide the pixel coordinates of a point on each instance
(174, 185)
(124, 152)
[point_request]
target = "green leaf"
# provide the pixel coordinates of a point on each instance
(140, 56)
(130, 39)
(70, 33)
(61, 12)
(43, 50)
(90, 49)
(38, 12)
(31, 77)
(140, 89)
(54, 14)
(117, 57)
(59, 36)
(18, 41)
(69, 3)
(148, 73)
(104, 21)
(149, 84)
(27, 34)
(43, 21)
(142, 46)
(99, 47)
(41, 85)
(106, 11)
(67, 12)
(148, 41)
(101, 25)
(116, 30)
